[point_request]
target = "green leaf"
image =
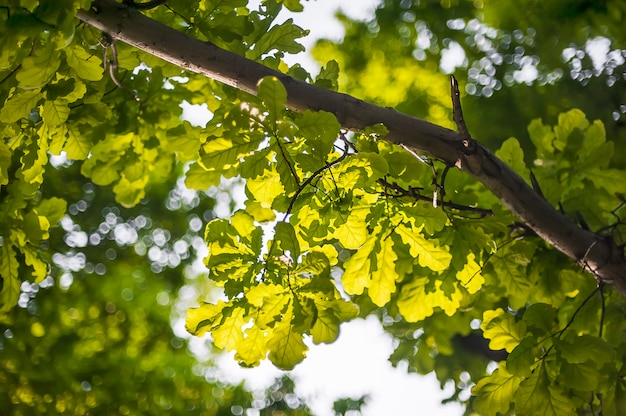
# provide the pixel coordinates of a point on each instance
(223, 153)
(201, 179)
(286, 236)
(607, 178)
(329, 76)
(281, 37)
(293, 5)
(542, 137)
(286, 347)
(10, 278)
(433, 219)
(273, 95)
(185, 141)
(37, 70)
(19, 105)
(352, 233)
(87, 66)
(568, 122)
(502, 330)
(356, 275)
(579, 349)
(77, 145)
(265, 189)
(5, 162)
(33, 259)
(253, 348)
(416, 302)
(320, 129)
(580, 376)
(495, 392)
(229, 333)
(541, 316)
(537, 396)
(521, 360)
(54, 113)
(428, 254)
(512, 154)
(326, 327)
(470, 276)
(52, 208)
(384, 275)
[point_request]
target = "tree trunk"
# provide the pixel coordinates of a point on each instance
(594, 253)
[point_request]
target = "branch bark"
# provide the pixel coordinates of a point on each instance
(594, 253)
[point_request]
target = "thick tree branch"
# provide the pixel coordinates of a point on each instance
(596, 254)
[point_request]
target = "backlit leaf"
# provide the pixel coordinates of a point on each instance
(87, 66)
(286, 346)
(495, 392)
(537, 396)
(39, 68)
(19, 105)
(427, 253)
(502, 330)
(10, 279)
(356, 275)
(384, 276)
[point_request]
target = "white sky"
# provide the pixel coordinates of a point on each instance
(357, 363)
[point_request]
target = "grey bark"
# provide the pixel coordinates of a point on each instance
(596, 254)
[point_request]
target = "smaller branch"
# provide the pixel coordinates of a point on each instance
(582, 305)
(412, 193)
(571, 321)
(108, 43)
(457, 115)
(143, 6)
(310, 179)
(284, 154)
(535, 184)
(10, 74)
(603, 310)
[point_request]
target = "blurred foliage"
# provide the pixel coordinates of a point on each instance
(522, 60)
(95, 337)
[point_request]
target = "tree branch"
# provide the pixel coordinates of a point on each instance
(594, 253)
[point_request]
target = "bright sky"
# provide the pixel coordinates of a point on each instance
(357, 363)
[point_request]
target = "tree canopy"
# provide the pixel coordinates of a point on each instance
(482, 219)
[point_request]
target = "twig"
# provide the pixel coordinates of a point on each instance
(144, 6)
(412, 193)
(108, 43)
(457, 115)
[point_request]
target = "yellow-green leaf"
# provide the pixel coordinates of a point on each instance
(415, 303)
(253, 348)
(356, 276)
(538, 396)
(10, 279)
(203, 318)
(39, 68)
(229, 333)
(495, 392)
(19, 104)
(353, 233)
(5, 162)
(55, 113)
(286, 347)
(87, 66)
(266, 188)
(470, 276)
(502, 330)
(383, 280)
(77, 145)
(428, 254)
